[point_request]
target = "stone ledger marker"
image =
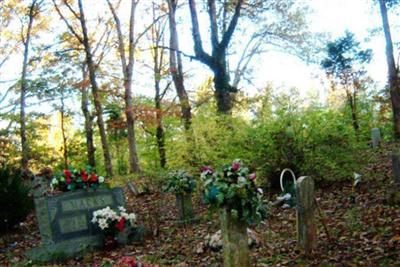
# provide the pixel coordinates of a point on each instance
(376, 137)
(306, 225)
(65, 222)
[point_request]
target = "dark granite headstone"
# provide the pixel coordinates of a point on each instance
(65, 221)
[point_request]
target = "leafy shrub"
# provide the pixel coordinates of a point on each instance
(180, 182)
(313, 142)
(15, 201)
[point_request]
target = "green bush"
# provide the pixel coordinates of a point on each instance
(15, 201)
(314, 142)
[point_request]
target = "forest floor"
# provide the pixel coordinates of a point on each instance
(363, 233)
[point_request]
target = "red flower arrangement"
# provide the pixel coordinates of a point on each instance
(72, 179)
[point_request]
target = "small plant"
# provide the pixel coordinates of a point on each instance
(111, 222)
(14, 199)
(72, 179)
(180, 182)
(234, 189)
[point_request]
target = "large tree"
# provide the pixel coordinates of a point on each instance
(393, 69)
(33, 12)
(83, 38)
(217, 60)
(275, 25)
(127, 64)
(176, 67)
(344, 65)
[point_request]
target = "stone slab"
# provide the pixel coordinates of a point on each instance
(65, 220)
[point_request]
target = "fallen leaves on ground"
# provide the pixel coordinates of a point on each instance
(366, 232)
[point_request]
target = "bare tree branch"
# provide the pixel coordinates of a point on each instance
(71, 29)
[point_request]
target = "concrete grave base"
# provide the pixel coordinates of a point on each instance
(64, 250)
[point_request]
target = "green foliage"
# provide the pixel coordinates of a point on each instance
(312, 142)
(233, 188)
(180, 182)
(72, 179)
(15, 201)
(343, 56)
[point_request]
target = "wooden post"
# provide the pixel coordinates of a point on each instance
(306, 225)
(235, 247)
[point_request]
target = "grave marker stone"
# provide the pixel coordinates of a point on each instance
(376, 137)
(306, 225)
(236, 251)
(396, 166)
(393, 187)
(65, 221)
(185, 208)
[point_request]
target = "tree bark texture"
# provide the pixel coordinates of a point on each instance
(64, 136)
(33, 9)
(393, 79)
(176, 68)
(90, 149)
(95, 92)
(127, 69)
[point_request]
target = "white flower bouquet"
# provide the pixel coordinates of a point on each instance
(111, 222)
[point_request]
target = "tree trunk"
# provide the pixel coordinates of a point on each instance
(351, 99)
(222, 95)
(158, 58)
(90, 149)
(393, 79)
(95, 92)
(217, 60)
(65, 145)
(26, 42)
(160, 136)
(127, 70)
(176, 69)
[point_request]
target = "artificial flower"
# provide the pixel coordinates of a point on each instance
(93, 178)
(235, 166)
(84, 176)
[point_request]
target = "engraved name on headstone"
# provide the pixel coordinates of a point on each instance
(65, 220)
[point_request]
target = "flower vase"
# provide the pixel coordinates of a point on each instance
(110, 242)
(185, 207)
(235, 244)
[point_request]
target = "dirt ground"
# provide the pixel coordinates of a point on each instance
(363, 233)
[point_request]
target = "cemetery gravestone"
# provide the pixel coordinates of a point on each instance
(396, 166)
(376, 137)
(65, 222)
(235, 240)
(185, 208)
(393, 188)
(306, 225)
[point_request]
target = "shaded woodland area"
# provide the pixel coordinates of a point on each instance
(151, 133)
